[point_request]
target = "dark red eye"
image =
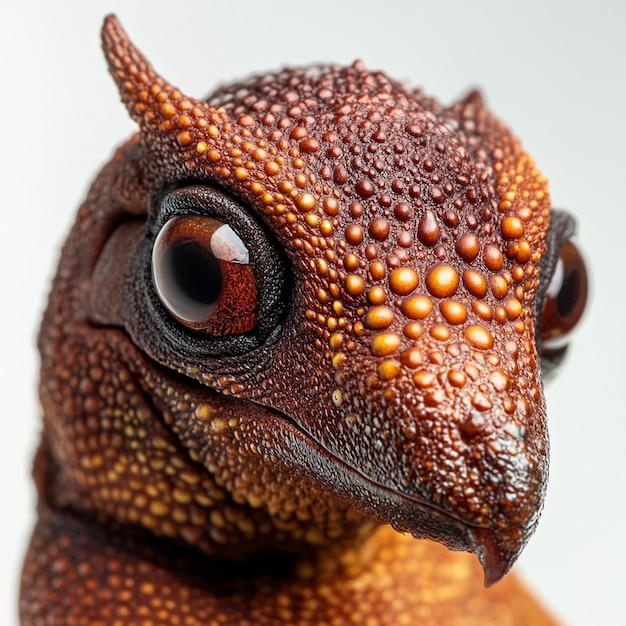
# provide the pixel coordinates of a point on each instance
(203, 276)
(565, 297)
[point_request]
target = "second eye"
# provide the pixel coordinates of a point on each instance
(203, 276)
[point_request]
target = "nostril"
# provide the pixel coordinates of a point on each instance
(472, 427)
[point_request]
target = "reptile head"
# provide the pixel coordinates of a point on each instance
(308, 305)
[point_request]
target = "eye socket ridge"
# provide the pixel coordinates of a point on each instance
(201, 234)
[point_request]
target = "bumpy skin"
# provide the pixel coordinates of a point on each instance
(392, 376)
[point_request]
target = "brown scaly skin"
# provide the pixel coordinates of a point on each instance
(390, 376)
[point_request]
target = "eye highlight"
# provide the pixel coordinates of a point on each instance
(202, 274)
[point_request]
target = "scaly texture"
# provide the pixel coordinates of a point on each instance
(388, 372)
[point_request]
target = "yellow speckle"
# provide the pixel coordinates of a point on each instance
(168, 109)
(159, 508)
(312, 219)
(147, 588)
(184, 138)
(337, 397)
(204, 411)
(218, 425)
(389, 369)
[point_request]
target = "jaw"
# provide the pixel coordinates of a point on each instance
(266, 461)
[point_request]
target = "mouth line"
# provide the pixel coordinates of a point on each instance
(273, 415)
(370, 483)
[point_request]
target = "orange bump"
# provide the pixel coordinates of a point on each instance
(417, 307)
(376, 295)
(326, 228)
(499, 286)
(388, 369)
(331, 206)
(354, 234)
(493, 257)
(512, 228)
(413, 330)
(305, 202)
(168, 109)
(523, 252)
(338, 360)
(499, 380)
(440, 332)
(483, 310)
(385, 344)
(403, 281)
(423, 379)
(479, 337)
(184, 138)
(271, 168)
(377, 270)
(355, 285)
(454, 312)
(475, 283)
(467, 247)
(411, 358)
(513, 308)
(442, 281)
(481, 402)
(456, 378)
(351, 262)
(336, 340)
(379, 317)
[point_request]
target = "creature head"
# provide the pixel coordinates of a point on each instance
(306, 305)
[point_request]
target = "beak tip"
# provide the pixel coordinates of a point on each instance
(495, 554)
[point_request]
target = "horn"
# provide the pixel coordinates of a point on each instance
(151, 101)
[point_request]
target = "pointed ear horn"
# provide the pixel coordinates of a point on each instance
(150, 100)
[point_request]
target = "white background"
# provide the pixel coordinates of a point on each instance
(556, 71)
